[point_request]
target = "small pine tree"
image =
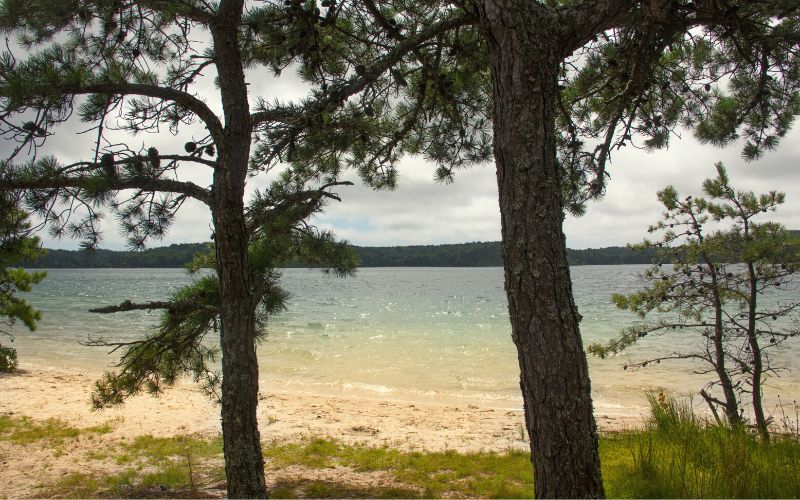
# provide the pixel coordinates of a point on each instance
(16, 244)
(715, 289)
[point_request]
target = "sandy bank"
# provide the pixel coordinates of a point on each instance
(283, 415)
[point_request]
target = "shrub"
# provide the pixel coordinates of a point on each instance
(8, 359)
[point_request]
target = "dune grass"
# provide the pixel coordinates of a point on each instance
(680, 455)
(677, 455)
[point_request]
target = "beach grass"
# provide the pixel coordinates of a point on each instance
(425, 474)
(25, 430)
(677, 455)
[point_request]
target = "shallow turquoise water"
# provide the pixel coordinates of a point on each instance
(412, 334)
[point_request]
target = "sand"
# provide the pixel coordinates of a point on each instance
(284, 416)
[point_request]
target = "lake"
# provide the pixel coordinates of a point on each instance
(409, 334)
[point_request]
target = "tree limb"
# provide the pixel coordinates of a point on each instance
(114, 183)
(187, 9)
(148, 306)
(339, 93)
(184, 99)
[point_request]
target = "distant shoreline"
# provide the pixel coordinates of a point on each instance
(477, 254)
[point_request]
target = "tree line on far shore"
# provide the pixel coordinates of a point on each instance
(475, 254)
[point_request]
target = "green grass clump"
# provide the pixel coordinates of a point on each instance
(164, 448)
(427, 474)
(127, 484)
(25, 430)
(328, 489)
(76, 485)
(681, 456)
(156, 467)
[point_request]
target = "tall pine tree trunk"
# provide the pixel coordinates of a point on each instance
(554, 375)
(244, 463)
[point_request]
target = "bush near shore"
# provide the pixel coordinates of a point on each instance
(677, 455)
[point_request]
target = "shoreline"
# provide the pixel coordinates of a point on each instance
(284, 414)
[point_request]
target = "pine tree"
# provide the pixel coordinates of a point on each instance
(573, 82)
(133, 68)
(565, 84)
(714, 289)
(16, 244)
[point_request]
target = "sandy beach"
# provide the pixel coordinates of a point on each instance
(284, 416)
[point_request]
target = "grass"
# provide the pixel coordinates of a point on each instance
(154, 467)
(25, 430)
(678, 455)
(328, 489)
(428, 474)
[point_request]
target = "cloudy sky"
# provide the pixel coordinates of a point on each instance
(423, 212)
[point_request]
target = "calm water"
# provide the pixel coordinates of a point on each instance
(413, 334)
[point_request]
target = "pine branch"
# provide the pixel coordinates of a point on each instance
(337, 95)
(113, 184)
(179, 97)
(590, 18)
(292, 202)
(188, 9)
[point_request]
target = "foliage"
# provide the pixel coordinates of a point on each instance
(384, 79)
(171, 256)
(25, 430)
(15, 244)
(180, 345)
(8, 359)
(718, 289)
(128, 68)
(728, 71)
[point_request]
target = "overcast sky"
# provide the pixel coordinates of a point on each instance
(421, 211)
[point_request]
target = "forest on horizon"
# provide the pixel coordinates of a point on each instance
(476, 254)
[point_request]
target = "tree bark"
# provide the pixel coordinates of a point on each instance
(755, 350)
(244, 463)
(525, 57)
(731, 406)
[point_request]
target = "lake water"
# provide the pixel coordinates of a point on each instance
(412, 334)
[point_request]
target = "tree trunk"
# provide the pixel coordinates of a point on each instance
(755, 350)
(244, 463)
(731, 405)
(554, 376)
